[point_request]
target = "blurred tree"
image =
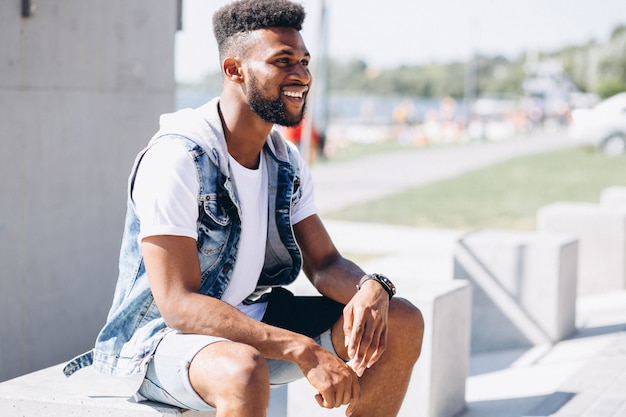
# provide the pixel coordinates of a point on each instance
(498, 75)
(619, 31)
(347, 77)
(606, 87)
(578, 62)
(597, 67)
(612, 65)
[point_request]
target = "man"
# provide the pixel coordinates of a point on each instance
(220, 218)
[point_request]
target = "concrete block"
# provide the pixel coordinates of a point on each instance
(48, 393)
(437, 387)
(524, 287)
(613, 196)
(601, 232)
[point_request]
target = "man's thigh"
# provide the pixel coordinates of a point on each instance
(167, 376)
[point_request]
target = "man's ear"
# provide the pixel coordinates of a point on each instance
(232, 70)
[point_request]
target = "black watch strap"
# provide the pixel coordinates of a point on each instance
(382, 280)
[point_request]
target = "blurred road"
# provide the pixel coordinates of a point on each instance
(339, 184)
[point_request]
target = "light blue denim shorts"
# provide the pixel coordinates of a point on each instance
(167, 374)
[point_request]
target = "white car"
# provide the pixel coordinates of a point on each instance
(603, 126)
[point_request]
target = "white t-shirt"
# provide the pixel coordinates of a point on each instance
(165, 194)
(251, 186)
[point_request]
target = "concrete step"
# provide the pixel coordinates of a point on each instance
(48, 393)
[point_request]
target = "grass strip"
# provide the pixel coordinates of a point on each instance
(506, 195)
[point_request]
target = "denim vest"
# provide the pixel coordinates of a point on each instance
(134, 324)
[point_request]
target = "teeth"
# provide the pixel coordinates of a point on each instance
(292, 94)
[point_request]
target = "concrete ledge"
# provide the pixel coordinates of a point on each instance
(524, 287)
(601, 232)
(613, 196)
(437, 387)
(48, 393)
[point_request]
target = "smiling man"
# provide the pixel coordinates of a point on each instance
(220, 218)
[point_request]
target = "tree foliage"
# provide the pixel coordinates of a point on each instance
(594, 67)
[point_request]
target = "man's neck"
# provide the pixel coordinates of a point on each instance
(244, 130)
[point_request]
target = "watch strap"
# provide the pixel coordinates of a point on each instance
(382, 280)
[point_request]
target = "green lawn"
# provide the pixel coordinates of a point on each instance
(506, 195)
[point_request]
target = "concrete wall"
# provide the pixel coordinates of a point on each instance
(81, 86)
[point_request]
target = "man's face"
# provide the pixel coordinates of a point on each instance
(270, 109)
(278, 78)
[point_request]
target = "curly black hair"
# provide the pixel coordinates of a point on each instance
(244, 16)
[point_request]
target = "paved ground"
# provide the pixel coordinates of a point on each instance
(584, 375)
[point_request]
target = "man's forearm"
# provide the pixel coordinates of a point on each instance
(201, 314)
(337, 280)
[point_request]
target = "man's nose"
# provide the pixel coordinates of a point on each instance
(302, 73)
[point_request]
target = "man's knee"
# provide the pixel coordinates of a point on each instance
(406, 325)
(246, 366)
(225, 369)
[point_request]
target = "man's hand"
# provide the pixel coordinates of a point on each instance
(365, 325)
(336, 382)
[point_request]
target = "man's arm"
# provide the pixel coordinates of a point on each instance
(174, 274)
(365, 314)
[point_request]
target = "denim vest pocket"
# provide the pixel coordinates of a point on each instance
(216, 209)
(214, 224)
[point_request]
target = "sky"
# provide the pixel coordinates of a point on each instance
(389, 33)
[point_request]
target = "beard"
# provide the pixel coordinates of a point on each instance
(271, 110)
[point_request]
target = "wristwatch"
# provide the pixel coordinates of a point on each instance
(382, 280)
